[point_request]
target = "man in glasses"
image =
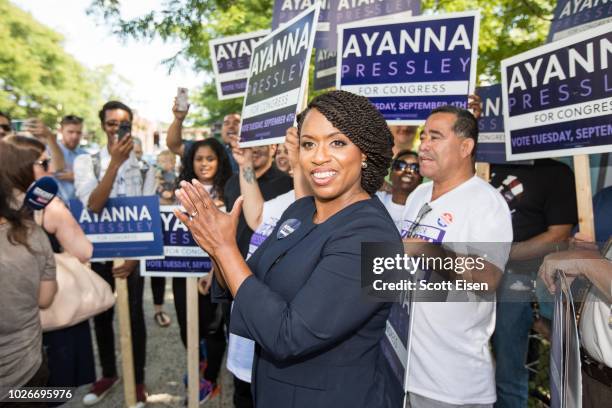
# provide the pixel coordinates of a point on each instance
(450, 362)
(404, 178)
(115, 172)
(5, 125)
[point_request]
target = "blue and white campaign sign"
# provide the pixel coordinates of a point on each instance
(326, 60)
(396, 343)
(231, 57)
(324, 69)
(182, 255)
(491, 146)
(352, 11)
(574, 16)
(408, 69)
(285, 10)
(277, 80)
(127, 227)
(557, 99)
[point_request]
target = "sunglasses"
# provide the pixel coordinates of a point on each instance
(400, 165)
(43, 163)
(6, 128)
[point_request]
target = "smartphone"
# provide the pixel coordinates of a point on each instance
(18, 124)
(182, 99)
(125, 128)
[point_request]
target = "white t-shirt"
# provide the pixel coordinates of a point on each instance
(241, 350)
(129, 181)
(595, 331)
(450, 359)
(396, 211)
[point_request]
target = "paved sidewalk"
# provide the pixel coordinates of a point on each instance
(166, 364)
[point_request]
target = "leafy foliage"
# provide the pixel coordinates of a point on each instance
(194, 22)
(38, 78)
(508, 27)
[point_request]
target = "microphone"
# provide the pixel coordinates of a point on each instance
(40, 193)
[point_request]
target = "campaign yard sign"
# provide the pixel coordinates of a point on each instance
(557, 99)
(231, 57)
(396, 343)
(491, 145)
(326, 60)
(574, 16)
(277, 80)
(408, 69)
(127, 227)
(182, 255)
(285, 10)
(351, 11)
(324, 69)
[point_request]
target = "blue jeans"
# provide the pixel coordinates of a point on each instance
(510, 342)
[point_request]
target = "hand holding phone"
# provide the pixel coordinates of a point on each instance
(125, 128)
(182, 99)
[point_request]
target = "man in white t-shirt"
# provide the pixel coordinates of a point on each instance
(450, 363)
(115, 172)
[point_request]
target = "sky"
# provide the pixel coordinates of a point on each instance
(150, 89)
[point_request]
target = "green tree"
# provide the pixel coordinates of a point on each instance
(195, 23)
(508, 27)
(38, 78)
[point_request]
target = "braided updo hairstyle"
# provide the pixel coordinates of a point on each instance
(361, 122)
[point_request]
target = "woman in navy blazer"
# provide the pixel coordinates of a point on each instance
(299, 295)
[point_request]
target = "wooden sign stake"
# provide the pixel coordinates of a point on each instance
(125, 338)
(304, 101)
(584, 195)
(193, 343)
(483, 170)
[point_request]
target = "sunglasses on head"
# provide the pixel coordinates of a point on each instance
(6, 128)
(400, 165)
(43, 163)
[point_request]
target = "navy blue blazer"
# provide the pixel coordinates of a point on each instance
(317, 338)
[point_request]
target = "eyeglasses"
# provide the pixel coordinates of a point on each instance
(400, 165)
(6, 128)
(43, 163)
(425, 209)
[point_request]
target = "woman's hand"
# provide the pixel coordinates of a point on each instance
(204, 284)
(211, 228)
(126, 269)
(475, 104)
(292, 142)
(570, 262)
(178, 114)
